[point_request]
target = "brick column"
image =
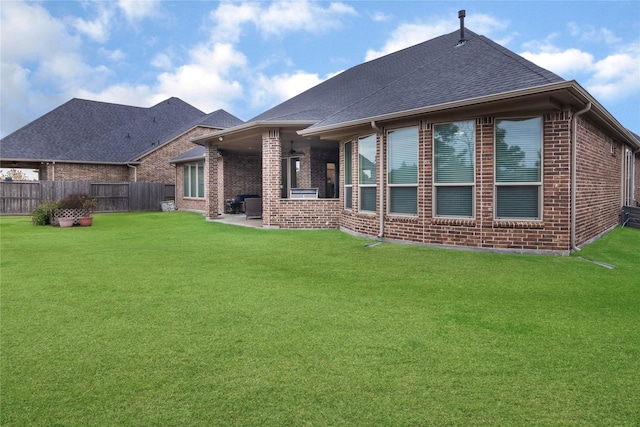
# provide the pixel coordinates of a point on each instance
(271, 177)
(211, 162)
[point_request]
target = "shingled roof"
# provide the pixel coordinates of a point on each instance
(434, 72)
(98, 132)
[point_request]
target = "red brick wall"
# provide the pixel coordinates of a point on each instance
(550, 234)
(86, 172)
(599, 182)
(155, 167)
(242, 175)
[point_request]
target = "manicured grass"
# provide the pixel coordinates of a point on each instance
(165, 319)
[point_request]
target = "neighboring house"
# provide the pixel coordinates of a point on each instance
(96, 141)
(456, 141)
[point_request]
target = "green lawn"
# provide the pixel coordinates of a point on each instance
(166, 319)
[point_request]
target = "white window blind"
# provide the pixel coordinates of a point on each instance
(454, 168)
(367, 176)
(402, 171)
(518, 168)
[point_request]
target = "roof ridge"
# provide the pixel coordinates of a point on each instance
(519, 58)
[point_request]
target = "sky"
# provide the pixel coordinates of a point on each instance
(246, 57)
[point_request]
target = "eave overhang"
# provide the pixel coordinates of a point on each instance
(554, 96)
(250, 129)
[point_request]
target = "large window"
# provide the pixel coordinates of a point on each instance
(402, 171)
(518, 145)
(454, 169)
(367, 173)
(193, 179)
(348, 175)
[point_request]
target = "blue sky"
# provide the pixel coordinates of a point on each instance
(248, 56)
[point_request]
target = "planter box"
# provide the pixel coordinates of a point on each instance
(69, 213)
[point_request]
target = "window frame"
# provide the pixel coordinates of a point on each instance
(193, 170)
(539, 184)
(470, 184)
(374, 185)
(348, 175)
(388, 159)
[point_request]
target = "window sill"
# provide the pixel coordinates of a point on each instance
(532, 224)
(462, 222)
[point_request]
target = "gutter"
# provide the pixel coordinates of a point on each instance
(381, 177)
(135, 172)
(574, 155)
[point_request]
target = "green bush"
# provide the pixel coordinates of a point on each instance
(42, 214)
(74, 201)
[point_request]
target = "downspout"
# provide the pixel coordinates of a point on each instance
(135, 172)
(574, 155)
(381, 177)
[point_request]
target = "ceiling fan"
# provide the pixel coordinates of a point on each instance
(293, 152)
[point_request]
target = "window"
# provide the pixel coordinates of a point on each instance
(402, 171)
(367, 173)
(629, 178)
(193, 179)
(348, 176)
(518, 157)
(290, 175)
(454, 169)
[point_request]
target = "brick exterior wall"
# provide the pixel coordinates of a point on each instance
(212, 181)
(551, 234)
(86, 172)
(242, 175)
(155, 167)
(271, 173)
(599, 182)
(598, 191)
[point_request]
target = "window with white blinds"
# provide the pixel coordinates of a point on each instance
(348, 175)
(518, 168)
(193, 179)
(402, 171)
(454, 169)
(367, 173)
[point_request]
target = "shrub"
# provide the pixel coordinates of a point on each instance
(42, 214)
(74, 201)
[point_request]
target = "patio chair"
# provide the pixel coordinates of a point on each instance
(253, 207)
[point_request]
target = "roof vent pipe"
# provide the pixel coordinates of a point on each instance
(461, 14)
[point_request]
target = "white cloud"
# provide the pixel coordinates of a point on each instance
(561, 62)
(591, 34)
(615, 76)
(269, 91)
(97, 29)
(113, 55)
(278, 18)
(409, 34)
(378, 16)
(136, 10)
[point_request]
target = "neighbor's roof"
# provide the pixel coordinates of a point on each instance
(98, 132)
(196, 153)
(434, 72)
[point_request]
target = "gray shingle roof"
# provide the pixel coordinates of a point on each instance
(430, 73)
(196, 153)
(91, 131)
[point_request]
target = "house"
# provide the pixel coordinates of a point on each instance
(84, 140)
(454, 142)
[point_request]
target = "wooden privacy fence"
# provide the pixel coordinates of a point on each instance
(22, 197)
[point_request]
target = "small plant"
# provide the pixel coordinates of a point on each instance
(89, 204)
(73, 201)
(42, 214)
